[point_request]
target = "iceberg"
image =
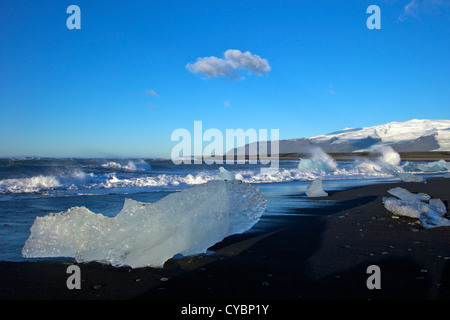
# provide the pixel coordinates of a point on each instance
(148, 234)
(315, 189)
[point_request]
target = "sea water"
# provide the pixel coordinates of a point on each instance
(36, 187)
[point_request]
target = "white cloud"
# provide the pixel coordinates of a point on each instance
(226, 103)
(150, 105)
(211, 67)
(414, 8)
(332, 91)
(230, 65)
(410, 10)
(247, 61)
(152, 92)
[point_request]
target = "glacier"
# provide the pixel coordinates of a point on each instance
(148, 234)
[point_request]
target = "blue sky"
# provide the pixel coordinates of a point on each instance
(120, 85)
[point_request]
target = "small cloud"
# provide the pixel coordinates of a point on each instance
(230, 65)
(414, 8)
(152, 92)
(331, 91)
(410, 10)
(226, 103)
(150, 105)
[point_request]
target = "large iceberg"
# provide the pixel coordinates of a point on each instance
(148, 234)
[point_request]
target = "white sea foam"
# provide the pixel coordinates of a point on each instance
(27, 185)
(139, 174)
(148, 234)
(388, 155)
(319, 161)
(135, 165)
(155, 181)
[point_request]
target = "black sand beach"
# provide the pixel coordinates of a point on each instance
(320, 257)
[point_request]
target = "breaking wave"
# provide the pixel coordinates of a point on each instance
(26, 185)
(139, 165)
(138, 175)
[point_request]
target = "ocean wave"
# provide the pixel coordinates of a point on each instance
(137, 176)
(28, 185)
(136, 165)
(90, 181)
(156, 181)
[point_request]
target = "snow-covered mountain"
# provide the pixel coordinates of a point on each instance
(407, 136)
(412, 135)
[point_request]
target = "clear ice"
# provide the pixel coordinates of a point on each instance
(315, 189)
(148, 234)
(414, 205)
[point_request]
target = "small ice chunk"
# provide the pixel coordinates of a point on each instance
(225, 174)
(412, 205)
(438, 206)
(404, 208)
(435, 166)
(315, 189)
(409, 177)
(404, 194)
(433, 219)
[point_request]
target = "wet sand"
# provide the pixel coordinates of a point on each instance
(324, 256)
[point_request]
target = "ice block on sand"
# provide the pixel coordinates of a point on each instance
(148, 234)
(315, 189)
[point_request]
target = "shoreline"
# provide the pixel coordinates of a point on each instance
(323, 256)
(345, 156)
